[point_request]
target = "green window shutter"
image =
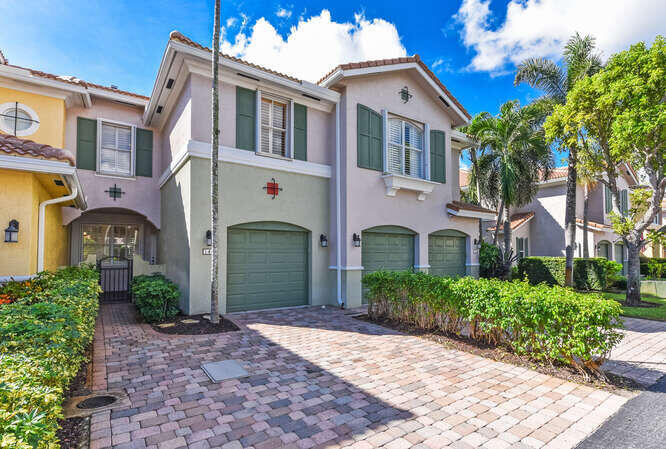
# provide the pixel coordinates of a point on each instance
(624, 202)
(527, 247)
(519, 246)
(369, 142)
(86, 143)
(246, 102)
(144, 152)
(609, 199)
(300, 132)
(438, 156)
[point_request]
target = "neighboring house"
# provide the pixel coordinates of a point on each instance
(319, 183)
(538, 227)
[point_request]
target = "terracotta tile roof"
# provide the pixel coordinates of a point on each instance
(558, 173)
(459, 205)
(517, 220)
(23, 147)
(178, 36)
(463, 177)
(383, 62)
(593, 224)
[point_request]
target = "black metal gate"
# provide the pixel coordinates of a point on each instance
(115, 275)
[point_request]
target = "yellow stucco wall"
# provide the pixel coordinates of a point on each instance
(20, 195)
(50, 112)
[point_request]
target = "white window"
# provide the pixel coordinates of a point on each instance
(116, 148)
(18, 119)
(405, 148)
(274, 120)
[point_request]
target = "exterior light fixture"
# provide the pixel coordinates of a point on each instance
(323, 241)
(209, 238)
(356, 240)
(11, 233)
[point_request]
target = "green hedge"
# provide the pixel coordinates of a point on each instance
(644, 263)
(156, 297)
(546, 323)
(44, 332)
(588, 274)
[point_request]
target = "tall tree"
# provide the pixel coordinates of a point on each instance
(580, 60)
(617, 118)
(510, 172)
(214, 178)
(588, 181)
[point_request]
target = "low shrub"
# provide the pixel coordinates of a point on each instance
(545, 323)
(618, 282)
(588, 274)
(156, 297)
(44, 333)
(656, 269)
(645, 263)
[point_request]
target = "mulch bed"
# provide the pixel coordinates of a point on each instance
(616, 384)
(74, 431)
(203, 326)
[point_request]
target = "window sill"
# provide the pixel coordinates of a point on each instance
(274, 156)
(115, 175)
(395, 182)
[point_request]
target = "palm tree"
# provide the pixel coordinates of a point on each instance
(214, 181)
(510, 172)
(580, 60)
(588, 181)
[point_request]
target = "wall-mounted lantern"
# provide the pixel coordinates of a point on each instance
(11, 233)
(477, 243)
(323, 241)
(356, 240)
(209, 238)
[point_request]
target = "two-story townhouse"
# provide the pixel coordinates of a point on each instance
(319, 183)
(118, 210)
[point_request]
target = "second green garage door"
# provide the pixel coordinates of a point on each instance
(387, 248)
(267, 267)
(447, 253)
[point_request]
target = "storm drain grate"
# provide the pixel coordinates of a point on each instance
(223, 370)
(96, 402)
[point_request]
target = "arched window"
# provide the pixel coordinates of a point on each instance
(18, 119)
(405, 148)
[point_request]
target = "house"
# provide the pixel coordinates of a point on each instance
(538, 227)
(319, 183)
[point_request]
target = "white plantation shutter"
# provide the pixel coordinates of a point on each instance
(405, 148)
(273, 127)
(116, 149)
(395, 146)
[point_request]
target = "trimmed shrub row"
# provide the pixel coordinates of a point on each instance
(545, 323)
(588, 274)
(156, 297)
(645, 263)
(46, 325)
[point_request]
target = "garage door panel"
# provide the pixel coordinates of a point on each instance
(447, 255)
(386, 251)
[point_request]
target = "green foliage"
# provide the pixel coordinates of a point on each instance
(656, 269)
(617, 282)
(156, 297)
(645, 261)
(545, 323)
(588, 274)
(44, 334)
(489, 260)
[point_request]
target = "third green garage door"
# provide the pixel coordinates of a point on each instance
(447, 253)
(266, 268)
(387, 248)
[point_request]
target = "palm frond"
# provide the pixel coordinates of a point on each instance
(580, 58)
(543, 74)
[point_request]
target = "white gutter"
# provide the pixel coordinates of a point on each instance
(338, 218)
(40, 235)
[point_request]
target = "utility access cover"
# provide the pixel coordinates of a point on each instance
(223, 370)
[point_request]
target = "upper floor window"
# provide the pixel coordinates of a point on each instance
(18, 119)
(522, 247)
(115, 154)
(405, 148)
(273, 127)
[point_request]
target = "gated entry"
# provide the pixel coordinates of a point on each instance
(115, 275)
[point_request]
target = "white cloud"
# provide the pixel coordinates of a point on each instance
(231, 21)
(535, 28)
(315, 45)
(283, 13)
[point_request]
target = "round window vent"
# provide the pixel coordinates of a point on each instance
(96, 402)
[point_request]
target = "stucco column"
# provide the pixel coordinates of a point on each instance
(472, 262)
(421, 249)
(352, 270)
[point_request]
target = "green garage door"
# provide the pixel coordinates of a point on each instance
(387, 248)
(447, 253)
(266, 268)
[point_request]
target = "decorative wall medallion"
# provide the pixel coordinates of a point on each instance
(405, 95)
(115, 192)
(272, 188)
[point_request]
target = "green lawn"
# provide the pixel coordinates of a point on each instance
(649, 313)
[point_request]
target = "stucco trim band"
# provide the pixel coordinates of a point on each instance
(333, 267)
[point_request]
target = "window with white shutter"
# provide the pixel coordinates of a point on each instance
(405, 148)
(274, 119)
(115, 154)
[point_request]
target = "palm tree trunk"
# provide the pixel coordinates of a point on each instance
(475, 169)
(633, 273)
(214, 188)
(497, 223)
(586, 207)
(507, 238)
(570, 219)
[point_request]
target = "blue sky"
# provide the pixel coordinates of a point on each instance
(472, 45)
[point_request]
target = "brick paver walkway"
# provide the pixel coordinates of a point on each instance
(641, 355)
(320, 378)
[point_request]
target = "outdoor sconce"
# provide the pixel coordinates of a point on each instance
(209, 238)
(477, 243)
(323, 241)
(11, 233)
(356, 240)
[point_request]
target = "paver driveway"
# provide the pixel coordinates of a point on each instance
(321, 378)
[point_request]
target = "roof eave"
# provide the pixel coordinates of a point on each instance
(464, 213)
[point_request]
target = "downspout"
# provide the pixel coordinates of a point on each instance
(42, 213)
(338, 218)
